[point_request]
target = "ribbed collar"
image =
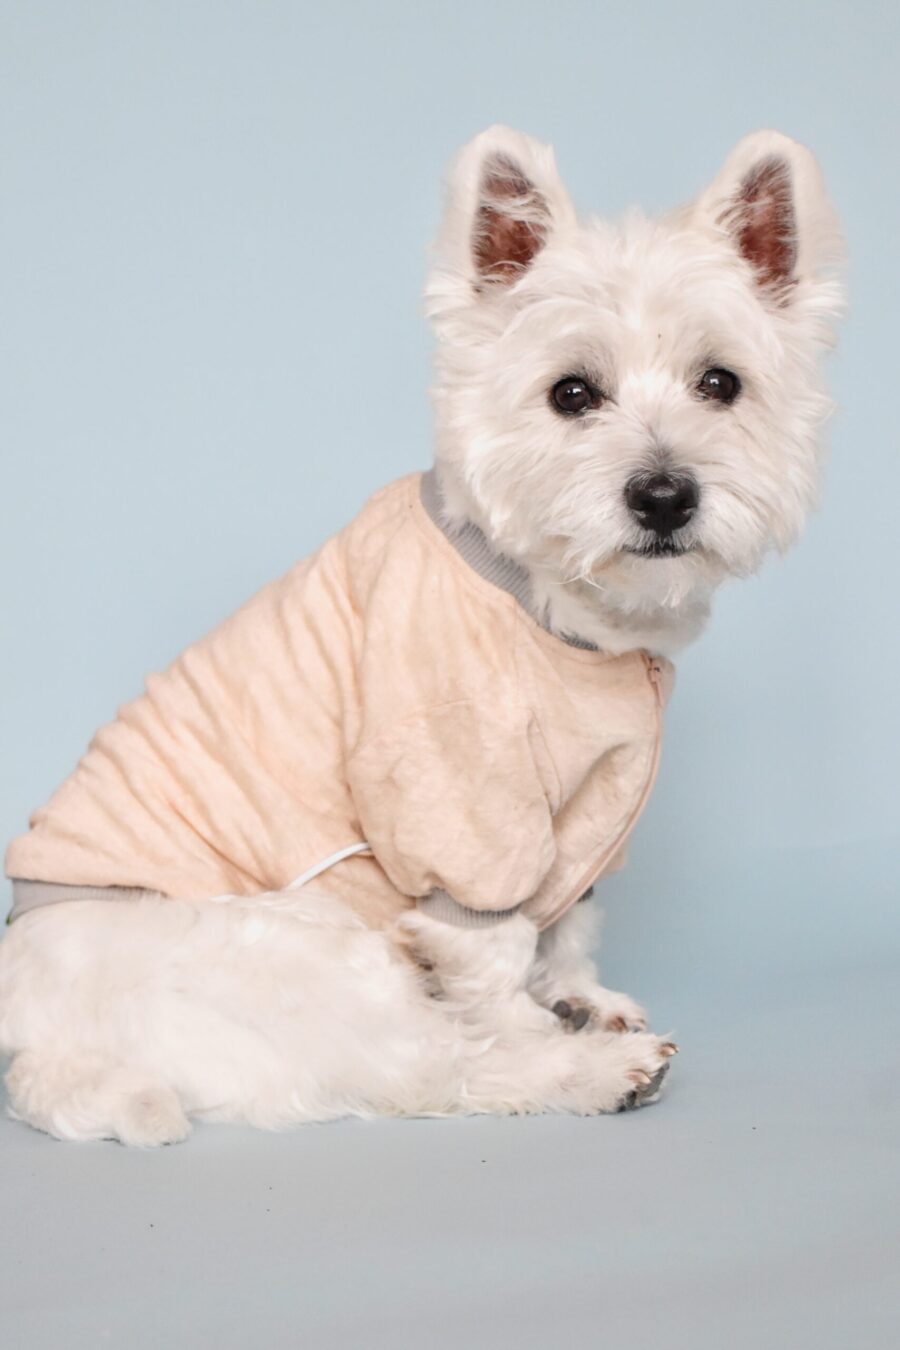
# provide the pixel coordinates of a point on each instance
(472, 546)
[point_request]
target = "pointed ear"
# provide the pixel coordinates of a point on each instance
(770, 199)
(504, 201)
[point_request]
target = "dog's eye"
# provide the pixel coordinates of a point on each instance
(722, 386)
(573, 395)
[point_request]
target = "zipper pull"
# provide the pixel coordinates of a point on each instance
(655, 676)
(660, 678)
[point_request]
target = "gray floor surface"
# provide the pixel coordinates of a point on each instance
(755, 1206)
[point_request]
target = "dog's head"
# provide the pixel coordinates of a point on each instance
(633, 410)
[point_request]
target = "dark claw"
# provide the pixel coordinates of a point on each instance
(580, 1018)
(656, 1081)
(629, 1101)
(562, 1009)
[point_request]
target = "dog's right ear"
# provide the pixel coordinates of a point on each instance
(505, 200)
(770, 201)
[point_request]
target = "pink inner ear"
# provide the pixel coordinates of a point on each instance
(763, 221)
(511, 222)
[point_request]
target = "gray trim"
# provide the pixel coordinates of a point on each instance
(29, 895)
(472, 546)
(440, 905)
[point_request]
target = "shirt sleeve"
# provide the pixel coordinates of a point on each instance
(451, 800)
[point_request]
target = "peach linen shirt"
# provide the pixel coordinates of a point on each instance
(395, 689)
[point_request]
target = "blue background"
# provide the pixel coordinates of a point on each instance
(213, 231)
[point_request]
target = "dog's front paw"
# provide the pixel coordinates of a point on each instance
(602, 1008)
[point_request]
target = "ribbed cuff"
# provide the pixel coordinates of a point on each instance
(29, 895)
(440, 905)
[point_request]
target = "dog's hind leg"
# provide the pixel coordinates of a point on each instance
(580, 1075)
(84, 1096)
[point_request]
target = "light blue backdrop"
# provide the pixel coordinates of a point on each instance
(213, 238)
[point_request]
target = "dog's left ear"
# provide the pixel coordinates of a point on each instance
(770, 200)
(505, 201)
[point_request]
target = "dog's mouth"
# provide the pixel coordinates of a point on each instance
(661, 548)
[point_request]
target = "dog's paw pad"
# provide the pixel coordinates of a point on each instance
(605, 1010)
(574, 1013)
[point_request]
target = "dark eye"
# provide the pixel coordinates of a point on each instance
(722, 386)
(573, 395)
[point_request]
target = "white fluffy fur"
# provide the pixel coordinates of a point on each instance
(127, 1019)
(646, 306)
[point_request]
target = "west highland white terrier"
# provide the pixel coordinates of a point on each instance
(332, 861)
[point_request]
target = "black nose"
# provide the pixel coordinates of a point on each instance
(662, 502)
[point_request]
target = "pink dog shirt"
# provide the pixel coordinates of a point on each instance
(393, 689)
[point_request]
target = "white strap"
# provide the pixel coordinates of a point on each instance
(323, 866)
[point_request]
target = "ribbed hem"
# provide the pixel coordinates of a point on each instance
(440, 905)
(29, 895)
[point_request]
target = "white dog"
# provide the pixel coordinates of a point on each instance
(627, 415)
